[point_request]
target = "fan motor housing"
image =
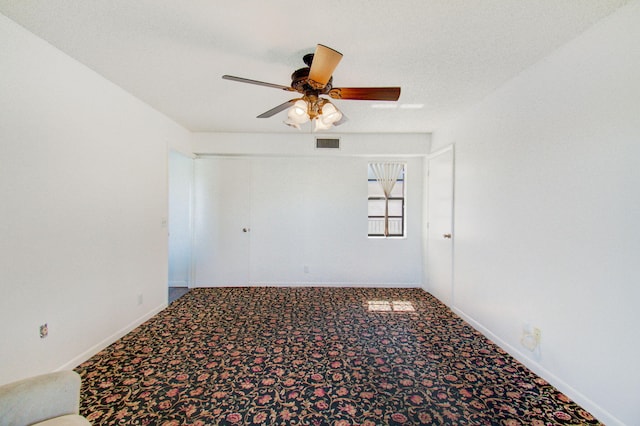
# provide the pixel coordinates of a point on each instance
(300, 82)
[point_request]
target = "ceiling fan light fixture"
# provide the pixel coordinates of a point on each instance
(319, 124)
(299, 109)
(329, 115)
(297, 114)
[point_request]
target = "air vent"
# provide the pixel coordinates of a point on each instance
(325, 143)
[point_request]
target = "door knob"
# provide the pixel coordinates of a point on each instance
(446, 236)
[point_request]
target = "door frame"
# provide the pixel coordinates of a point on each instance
(168, 222)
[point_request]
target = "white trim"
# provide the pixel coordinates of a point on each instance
(192, 223)
(440, 151)
(353, 284)
(320, 154)
(600, 413)
(82, 357)
(453, 224)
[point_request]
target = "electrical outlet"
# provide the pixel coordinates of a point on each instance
(306, 269)
(44, 330)
(140, 299)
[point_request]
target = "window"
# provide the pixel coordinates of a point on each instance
(386, 182)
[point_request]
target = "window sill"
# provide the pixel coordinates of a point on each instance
(376, 237)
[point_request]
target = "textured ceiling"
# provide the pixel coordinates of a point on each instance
(445, 54)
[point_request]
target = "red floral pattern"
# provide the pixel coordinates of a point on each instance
(313, 356)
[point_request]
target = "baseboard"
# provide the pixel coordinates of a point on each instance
(601, 414)
(178, 284)
(317, 284)
(71, 364)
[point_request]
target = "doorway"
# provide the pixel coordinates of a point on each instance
(180, 219)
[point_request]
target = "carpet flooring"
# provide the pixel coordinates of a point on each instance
(314, 356)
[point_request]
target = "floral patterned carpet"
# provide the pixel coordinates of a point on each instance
(314, 356)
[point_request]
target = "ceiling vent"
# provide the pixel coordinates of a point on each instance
(325, 143)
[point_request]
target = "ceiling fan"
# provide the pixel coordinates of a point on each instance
(314, 81)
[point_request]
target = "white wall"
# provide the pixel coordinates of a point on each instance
(311, 209)
(83, 190)
(546, 215)
(180, 214)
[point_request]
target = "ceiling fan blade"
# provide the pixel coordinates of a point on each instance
(275, 110)
(366, 93)
(259, 83)
(325, 61)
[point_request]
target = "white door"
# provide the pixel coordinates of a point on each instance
(222, 228)
(440, 226)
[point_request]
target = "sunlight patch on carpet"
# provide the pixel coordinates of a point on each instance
(390, 306)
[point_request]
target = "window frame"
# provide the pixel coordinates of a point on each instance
(403, 217)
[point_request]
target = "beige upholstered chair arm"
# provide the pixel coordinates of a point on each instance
(39, 398)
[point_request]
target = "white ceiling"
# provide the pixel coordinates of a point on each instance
(445, 54)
